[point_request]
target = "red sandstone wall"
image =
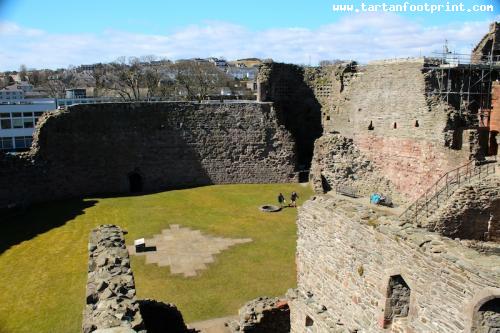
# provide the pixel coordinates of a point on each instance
(413, 165)
(495, 112)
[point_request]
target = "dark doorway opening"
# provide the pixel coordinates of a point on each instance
(493, 145)
(135, 182)
(398, 300)
(303, 176)
(487, 319)
(457, 139)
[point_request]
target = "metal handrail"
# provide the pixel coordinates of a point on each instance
(429, 201)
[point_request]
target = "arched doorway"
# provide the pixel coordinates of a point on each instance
(135, 182)
(487, 318)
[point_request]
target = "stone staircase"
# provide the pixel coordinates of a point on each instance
(440, 191)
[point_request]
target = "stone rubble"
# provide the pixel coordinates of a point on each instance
(263, 315)
(111, 304)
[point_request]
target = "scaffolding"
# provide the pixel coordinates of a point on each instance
(478, 78)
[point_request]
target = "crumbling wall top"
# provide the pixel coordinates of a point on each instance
(110, 298)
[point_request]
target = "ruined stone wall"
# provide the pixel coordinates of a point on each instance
(352, 260)
(409, 134)
(91, 149)
(489, 45)
(472, 212)
(495, 110)
(331, 85)
(297, 107)
(263, 315)
(111, 303)
(338, 162)
(110, 298)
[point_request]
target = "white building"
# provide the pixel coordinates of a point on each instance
(17, 123)
(243, 73)
(219, 63)
(11, 95)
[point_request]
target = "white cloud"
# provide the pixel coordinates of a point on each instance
(360, 37)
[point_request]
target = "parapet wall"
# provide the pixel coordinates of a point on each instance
(359, 270)
(118, 147)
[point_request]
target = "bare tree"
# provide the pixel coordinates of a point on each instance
(125, 78)
(57, 83)
(37, 78)
(198, 79)
(99, 76)
(23, 73)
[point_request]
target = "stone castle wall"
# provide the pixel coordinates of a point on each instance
(395, 119)
(472, 212)
(495, 109)
(489, 45)
(359, 270)
(288, 87)
(91, 149)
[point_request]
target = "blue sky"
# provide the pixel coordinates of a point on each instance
(60, 33)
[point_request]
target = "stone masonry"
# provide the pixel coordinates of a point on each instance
(299, 110)
(338, 162)
(110, 298)
(119, 147)
(111, 303)
(472, 212)
(399, 116)
(410, 136)
(361, 270)
(263, 315)
(488, 46)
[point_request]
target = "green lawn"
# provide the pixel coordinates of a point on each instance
(43, 253)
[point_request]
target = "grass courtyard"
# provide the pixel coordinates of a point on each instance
(43, 253)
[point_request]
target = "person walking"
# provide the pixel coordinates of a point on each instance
(293, 199)
(281, 200)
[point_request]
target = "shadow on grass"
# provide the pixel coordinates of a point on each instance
(179, 187)
(24, 224)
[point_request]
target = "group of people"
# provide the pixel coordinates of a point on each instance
(293, 200)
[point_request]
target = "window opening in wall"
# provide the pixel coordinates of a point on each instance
(370, 127)
(487, 318)
(417, 124)
(457, 139)
(309, 321)
(325, 185)
(6, 143)
(5, 124)
(398, 300)
(493, 144)
(395, 125)
(327, 117)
